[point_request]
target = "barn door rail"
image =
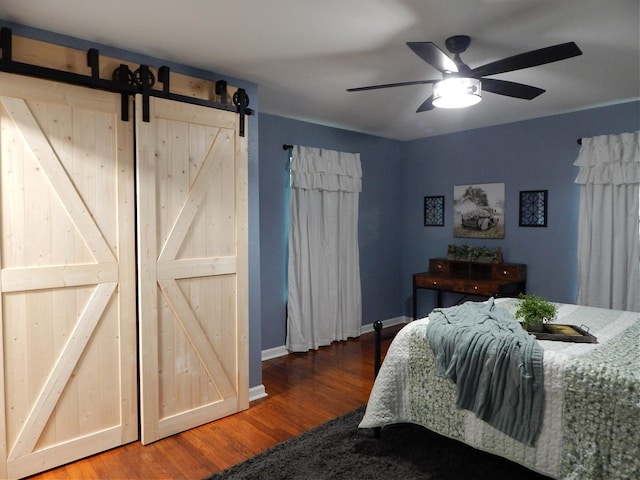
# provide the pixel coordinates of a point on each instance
(125, 82)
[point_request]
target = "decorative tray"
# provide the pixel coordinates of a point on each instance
(565, 333)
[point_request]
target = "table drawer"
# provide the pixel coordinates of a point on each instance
(431, 281)
(477, 288)
(508, 273)
(435, 282)
(438, 266)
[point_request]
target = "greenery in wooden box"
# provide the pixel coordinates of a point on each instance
(474, 254)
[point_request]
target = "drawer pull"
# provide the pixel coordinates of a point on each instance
(435, 283)
(475, 287)
(505, 272)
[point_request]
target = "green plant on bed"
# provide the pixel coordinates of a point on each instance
(535, 311)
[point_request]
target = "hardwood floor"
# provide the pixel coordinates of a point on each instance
(304, 390)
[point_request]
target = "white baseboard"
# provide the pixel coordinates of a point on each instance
(389, 322)
(257, 392)
(281, 351)
(270, 353)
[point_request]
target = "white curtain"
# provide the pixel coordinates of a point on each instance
(324, 299)
(608, 238)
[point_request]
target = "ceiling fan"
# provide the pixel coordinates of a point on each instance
(470, 81)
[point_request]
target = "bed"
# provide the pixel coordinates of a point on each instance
(590, 423)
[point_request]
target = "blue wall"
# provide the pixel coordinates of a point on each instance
(530, 155)
(394, 243)
(379, 219)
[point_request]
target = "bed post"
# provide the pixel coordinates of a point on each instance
(377, 326)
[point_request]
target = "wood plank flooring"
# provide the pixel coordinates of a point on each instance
(304, 390)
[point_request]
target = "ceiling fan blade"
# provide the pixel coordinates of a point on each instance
(426, 106)
(529, 59)
(511, 89)
(430, 53)
(391, 85)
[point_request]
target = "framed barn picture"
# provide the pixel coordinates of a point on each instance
(478, 210)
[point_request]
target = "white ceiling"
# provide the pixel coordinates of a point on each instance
(304, 54)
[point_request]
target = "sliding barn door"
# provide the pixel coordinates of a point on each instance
(192, 230)
(67, 275)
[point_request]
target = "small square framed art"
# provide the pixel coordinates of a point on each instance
(434, 211)
(533, 208)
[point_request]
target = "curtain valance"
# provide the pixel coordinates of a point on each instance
(328, 170)
(609, 159)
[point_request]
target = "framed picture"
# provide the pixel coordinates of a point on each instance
(533, 208)
(478, 210)
(434, 211)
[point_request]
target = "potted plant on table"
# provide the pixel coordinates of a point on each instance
(535, 312)
(474, 254)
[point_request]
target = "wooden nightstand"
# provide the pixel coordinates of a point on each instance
(470, 278)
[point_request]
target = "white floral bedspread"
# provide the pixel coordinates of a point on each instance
(591, 417)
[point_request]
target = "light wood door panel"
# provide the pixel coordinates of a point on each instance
(67, 275)
(192, 244)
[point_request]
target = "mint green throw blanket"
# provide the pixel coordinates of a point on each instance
(495, 364)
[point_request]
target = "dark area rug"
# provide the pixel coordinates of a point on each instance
(340, 450)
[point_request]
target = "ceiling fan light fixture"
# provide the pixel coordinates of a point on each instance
(457, 92)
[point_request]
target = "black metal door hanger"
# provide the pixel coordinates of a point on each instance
(125, 82)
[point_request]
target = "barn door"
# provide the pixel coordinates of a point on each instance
(67, 266)
(192, 244)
